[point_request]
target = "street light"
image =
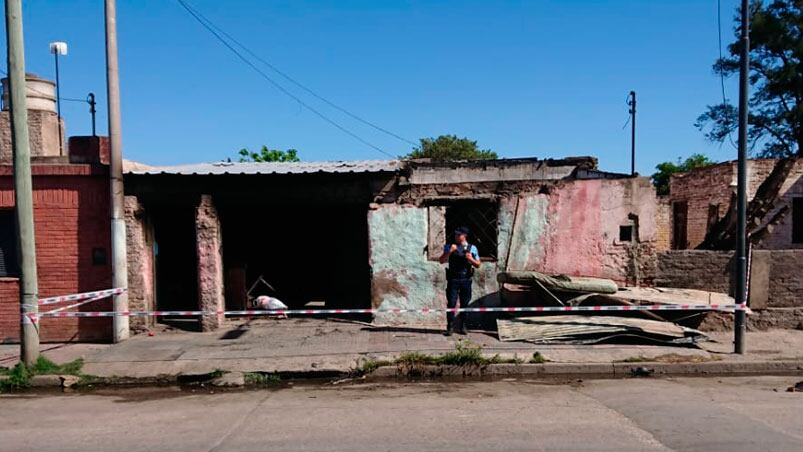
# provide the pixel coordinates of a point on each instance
(58, 48)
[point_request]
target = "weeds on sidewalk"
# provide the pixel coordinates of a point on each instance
(19, 376)
(261, 379)
(538, 358)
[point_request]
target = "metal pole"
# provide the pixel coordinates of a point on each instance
(632, 133)
(91, 101)
(119, 263)
(23, 191)
(58, 86)
(58, 104)
(741, 207)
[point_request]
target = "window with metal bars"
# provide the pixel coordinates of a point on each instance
(8, 245)
(482, 220)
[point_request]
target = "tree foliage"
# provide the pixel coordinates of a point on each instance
(269, 155)
(776, 79)
(666, 169)
(450, 147)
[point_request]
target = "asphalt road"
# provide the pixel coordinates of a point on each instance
(725, 414)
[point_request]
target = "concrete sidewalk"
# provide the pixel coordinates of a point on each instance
(321, 346)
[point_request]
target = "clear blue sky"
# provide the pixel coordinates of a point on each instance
(525, 78)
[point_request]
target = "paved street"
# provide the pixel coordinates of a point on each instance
(727, 414)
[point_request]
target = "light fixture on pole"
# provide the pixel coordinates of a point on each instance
(58, 48)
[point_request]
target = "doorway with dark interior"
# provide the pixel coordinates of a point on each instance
(311, 255)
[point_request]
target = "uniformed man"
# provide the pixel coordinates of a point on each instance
(462, 258)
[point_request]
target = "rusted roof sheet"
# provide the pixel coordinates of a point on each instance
(577, 329)
(220, 168)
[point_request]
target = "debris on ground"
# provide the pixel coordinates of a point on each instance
(529, 288)
(578, 329)
(641, 371)
(797, 387)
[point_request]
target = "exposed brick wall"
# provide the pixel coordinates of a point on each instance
(71, 216)
(701, 188)
(663, 224)
(139, 242)
(786, 278)
(43, 130)
(711, 270)
(781, 235)
(210, 262)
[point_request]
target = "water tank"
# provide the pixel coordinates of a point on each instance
(40, 93)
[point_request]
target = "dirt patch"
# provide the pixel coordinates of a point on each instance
(386, 283)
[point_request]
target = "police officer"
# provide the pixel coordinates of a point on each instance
(462, 258)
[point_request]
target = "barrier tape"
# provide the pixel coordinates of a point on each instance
(82, 296)
(75, 305)
(661, 307)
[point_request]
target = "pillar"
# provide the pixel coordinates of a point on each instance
(210, 263)
(139, 241)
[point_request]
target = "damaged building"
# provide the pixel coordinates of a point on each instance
(367, 234)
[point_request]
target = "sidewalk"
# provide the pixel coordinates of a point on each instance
(321, 346)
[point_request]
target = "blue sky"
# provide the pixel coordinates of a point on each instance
(525, 78)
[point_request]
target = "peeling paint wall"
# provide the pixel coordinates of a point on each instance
(570, 228)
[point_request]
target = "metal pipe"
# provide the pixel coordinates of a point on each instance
(119, 262)
(632, 133)
(58, 104)
(741, 190)
(91, 101)
(23, 191)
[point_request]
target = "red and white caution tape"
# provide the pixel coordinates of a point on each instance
(75, 305)
(82, 296)
(654, 307)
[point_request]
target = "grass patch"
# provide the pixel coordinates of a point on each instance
(465, 354)
(261, 379)
(370, 365)
(538, 358)
(19, 376)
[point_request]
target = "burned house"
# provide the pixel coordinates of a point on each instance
(366, 234)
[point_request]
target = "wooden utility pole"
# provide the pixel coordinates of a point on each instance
(23, 191)
(632, 103)
(119, 259)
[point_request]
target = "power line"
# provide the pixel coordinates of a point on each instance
(294, 81)
(276, 85)
(68, 99)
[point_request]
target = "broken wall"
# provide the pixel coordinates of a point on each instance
(569, 227)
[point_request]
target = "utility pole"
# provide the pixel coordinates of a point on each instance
(741, 189)
(23, 191)
(119, 259)
(632, 103)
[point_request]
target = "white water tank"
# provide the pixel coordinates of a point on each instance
(40, 93)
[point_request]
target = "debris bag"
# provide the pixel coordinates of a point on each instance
(564, 283)
(268, 303)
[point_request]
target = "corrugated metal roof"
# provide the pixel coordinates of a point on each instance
(218, 168)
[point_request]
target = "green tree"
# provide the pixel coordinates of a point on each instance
(269, 155)
(450, 147)
(776, 79)
(666, 169)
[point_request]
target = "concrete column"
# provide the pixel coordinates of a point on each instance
(139, 241)
(210, 263)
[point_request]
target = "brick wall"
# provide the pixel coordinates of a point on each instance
(71, 210)
(714, 185)
(700, 189)
(663, 224)
(711, 270)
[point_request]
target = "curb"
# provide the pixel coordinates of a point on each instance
(598, 370)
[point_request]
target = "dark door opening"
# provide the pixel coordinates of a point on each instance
(312, 255)
(175, 258)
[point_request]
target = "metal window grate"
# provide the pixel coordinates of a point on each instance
(482, 218)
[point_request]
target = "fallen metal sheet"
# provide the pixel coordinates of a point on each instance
(565, 283)
(668, 295)
(578, 329)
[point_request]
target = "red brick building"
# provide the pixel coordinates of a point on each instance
(71, 215)
(702, 198)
